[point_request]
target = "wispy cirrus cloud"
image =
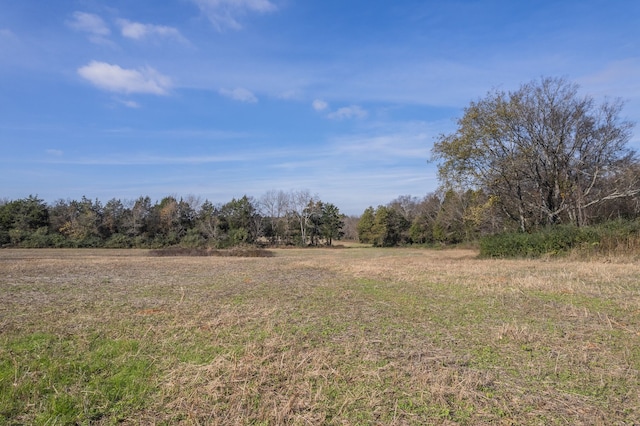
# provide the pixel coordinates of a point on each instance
(129, 103)
(150, 160)
(114, 78)
(226, 13)
(139, 31)
(91, 24)
(54, 152)
(385, 143)
(616, 78)
(352, 111)
(4, 32)
(240, 94)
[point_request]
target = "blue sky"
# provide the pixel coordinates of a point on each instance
(222, 98)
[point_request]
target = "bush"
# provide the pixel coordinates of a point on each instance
(193, 239)
(40, 238)
(118, 241)
(618, 237)
(556, 240)
(90, 241)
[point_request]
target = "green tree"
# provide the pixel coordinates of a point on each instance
(331, 223)
(544, 153)
(313, 221)
(208, 222)
(113, 215)
(422, 226)
(389, 226)
(174, 218)
(137, 218)
(78, 221)
(240, 219)
(365, 226)
(20, 218)
(455, 222)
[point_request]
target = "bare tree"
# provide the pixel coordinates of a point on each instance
(351, 228)
(545, 154)
(299, 201)
(274, 205)
(406, 205)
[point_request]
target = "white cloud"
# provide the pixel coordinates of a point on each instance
(319, 105)
(138, 31)
(353, 111)
(240, 94)
(225, 13)
(129, 103)
(113, 78)
(55, 152)
(91, 24)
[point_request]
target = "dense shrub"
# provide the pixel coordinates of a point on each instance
(618, 237)
(193, 239)
(552, 241)
(118, 241)
(38, 239)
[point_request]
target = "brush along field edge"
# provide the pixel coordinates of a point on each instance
(354, 336)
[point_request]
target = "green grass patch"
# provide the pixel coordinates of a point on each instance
(49, 379)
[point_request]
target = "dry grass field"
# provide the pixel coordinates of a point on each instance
(350, 336)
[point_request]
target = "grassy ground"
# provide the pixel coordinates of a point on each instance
(350, 336)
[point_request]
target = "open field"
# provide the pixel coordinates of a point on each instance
(348, 336)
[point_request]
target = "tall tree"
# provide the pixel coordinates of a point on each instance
(331, 223)
(139, 217)
(388, 228)
(113, 217)
(242, 220)
(423, 225)
(22, 217)
(543, 152)
(313, 213)
(365, 226)
(274, 206)
(406, 205)
(208, 221)
(299, 202)
(79, 221)
(350, 228)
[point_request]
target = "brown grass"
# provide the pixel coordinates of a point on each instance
(354, 336)
(207, 251)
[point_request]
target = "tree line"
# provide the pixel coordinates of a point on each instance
(450, 217)
(276, 218)
(520, 161)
